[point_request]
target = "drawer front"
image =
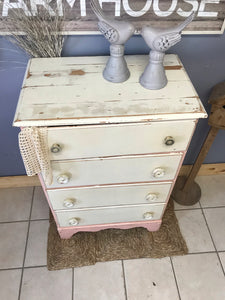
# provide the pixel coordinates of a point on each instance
(109, 215)
(111, 140)
(114, 170)
(108, 196)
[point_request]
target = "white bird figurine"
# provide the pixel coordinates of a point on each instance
(117, 33)
(159, 40)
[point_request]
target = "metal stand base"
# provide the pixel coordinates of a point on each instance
(186, 197)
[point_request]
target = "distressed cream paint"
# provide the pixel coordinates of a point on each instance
(114, 168)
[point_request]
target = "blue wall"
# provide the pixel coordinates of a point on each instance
(202, 56)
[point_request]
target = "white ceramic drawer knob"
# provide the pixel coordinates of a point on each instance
(148, 215)
(69, 202)
(55, 148)
(63, 179)
(158, 172)
(73, 221)
(151, 197)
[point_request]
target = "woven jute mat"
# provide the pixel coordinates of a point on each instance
(87, 248)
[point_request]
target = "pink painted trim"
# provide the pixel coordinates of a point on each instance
(193, 131)
(179, 167)
(49, 202)
(112, 184)
(124, 156)
(178, 152)
(68, 232)
(174, 181)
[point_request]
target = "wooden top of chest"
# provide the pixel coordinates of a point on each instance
(72, 91)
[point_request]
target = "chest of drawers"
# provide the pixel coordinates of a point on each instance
(114, 150)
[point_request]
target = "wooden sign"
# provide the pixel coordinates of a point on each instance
(80, 19)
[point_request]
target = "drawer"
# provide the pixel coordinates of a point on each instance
(113, 140)
(108, 195)
(133, 169)
(109, 215)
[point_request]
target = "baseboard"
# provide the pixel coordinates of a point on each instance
(206, 169)
(23, 181)
(19, 181)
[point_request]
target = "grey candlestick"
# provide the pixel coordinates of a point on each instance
(159, 40)
(117, 33)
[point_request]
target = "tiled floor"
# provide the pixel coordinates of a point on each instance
(198, 275)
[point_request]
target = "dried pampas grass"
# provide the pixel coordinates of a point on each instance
(39, 36)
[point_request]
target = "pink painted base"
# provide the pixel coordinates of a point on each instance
(68, 232)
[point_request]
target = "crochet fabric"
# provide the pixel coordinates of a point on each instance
(35, 153)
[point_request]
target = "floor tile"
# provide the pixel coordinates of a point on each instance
(36, 254)
(150, 279)
(15, 204)
(222, 258)
(9, 284)
(12, 246)
(213, 190)
(199, 277)
(103, 281)
(40, 209)
(183, 207)
(41, 284)
(194, 230)
(216, 220)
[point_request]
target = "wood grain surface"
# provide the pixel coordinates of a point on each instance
(64, 99)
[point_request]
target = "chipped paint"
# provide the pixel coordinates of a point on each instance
(56, 94)
(195, 97)
(28, 75)
(173, 67)
(52, 75)
(77, 72)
